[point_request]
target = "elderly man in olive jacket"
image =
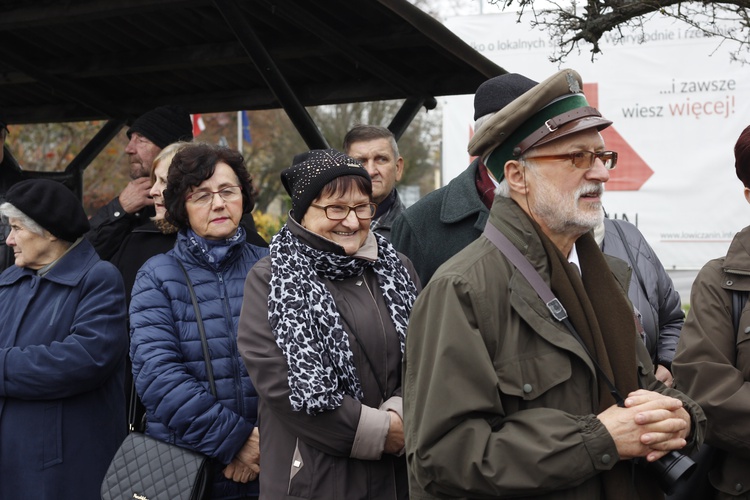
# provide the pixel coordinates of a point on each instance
(500, 398)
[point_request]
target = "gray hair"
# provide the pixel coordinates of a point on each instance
(364, 133)
(8, 211)
(504, 189)
(482, 120)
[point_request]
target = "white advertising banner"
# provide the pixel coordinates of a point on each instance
(678, 104)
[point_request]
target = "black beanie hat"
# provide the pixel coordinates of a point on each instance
(311, 171)
(51, 205)
(496, 93)
(164, 125)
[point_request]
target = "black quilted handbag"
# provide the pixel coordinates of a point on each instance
(145, 468)
(148, 469)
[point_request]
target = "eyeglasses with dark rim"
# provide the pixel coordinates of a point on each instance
(583, 159)
(205, 197)
(365, 211)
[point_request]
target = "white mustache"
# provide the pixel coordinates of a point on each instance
(596, 189)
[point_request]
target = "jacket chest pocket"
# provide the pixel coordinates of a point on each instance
(543, 379)
(530, 377)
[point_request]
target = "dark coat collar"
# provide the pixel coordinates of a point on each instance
(68, 271)
(461, 199)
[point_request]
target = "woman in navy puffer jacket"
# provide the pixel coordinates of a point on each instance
(208, 190)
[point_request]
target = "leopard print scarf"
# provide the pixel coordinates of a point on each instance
(307, 325)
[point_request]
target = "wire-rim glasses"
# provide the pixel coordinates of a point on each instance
(206, 197)
(365, 211)
(583, 159)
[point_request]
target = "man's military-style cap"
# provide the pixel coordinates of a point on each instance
(537, 114)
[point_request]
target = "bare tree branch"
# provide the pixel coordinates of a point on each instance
(571, 23)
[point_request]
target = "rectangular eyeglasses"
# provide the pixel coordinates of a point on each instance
(364, 211)
(228, 194)
(583, 159)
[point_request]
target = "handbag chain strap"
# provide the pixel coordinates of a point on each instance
(554, 305)
(201, 330)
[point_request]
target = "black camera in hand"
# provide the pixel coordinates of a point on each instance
(669, 470)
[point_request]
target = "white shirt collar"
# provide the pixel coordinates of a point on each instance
(573, 258)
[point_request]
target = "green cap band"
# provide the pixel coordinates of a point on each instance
(504, 152)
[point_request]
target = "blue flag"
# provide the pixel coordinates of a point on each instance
(246, 128)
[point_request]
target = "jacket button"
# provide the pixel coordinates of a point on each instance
(116, 214)
(747, 330)
(606, 459)
(527, 388)
(738, 487)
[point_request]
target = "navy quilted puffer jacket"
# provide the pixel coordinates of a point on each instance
(168, 364)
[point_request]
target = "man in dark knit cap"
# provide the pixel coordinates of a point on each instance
(148, 135)
(122, 231)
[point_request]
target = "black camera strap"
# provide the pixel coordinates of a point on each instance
(554, 305)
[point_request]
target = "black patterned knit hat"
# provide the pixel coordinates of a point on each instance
(311, 171)
(164, 125)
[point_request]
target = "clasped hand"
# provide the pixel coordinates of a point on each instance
(649, 425)
(246, 465)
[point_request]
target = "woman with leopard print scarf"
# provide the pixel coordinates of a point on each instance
(322, 335)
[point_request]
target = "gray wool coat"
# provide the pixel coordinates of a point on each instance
(441, 224)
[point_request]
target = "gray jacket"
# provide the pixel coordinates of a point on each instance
(654, 297)
(441, 224)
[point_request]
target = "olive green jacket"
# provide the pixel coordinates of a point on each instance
(499, 398)
(712, 364)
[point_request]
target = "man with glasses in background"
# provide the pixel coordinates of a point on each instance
(504, 393)
(147, 136)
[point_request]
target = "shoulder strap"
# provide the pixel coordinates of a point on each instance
(739, 299)
(631, 257)
(132, 406)
(206, 356)
(641, 283)
(540, 287)
(201, 330)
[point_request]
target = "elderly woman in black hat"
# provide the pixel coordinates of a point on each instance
(322, 335)
(62, 350)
